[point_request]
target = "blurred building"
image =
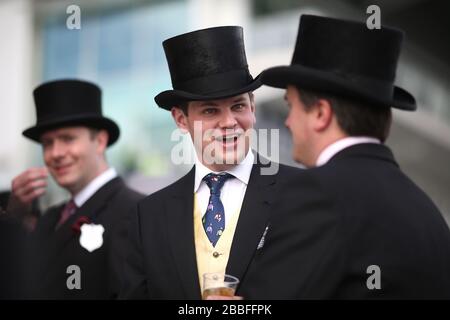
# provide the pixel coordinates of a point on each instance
(119, 47)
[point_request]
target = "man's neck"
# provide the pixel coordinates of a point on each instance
(325, 143)
(219, 167)
(332, 149)
(100, 170)
(95, 184)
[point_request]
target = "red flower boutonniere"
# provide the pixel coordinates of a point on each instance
(76, 226)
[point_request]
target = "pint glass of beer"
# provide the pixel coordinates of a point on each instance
(219, 284)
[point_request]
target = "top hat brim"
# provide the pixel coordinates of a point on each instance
(312, 79)
(91, 121)
(172, 98)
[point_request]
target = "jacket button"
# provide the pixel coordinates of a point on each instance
(216, 254)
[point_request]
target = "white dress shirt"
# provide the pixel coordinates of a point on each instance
(233, 191)
(98, 182)
(340, 145)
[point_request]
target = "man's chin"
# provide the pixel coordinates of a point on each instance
(229, 157)
(302, 161)
(64, 181)
(297, 157)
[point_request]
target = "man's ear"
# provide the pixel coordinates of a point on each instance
(102, 138)
(252, 106)
(323, 114)
(252, 100)
(180, 118)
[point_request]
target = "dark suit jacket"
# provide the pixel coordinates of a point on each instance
(100, 269)
(13, 259)
(335, 221)
(162, 259)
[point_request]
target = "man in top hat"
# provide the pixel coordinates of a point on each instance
(74, 136)
(214, 218)
(359, 227)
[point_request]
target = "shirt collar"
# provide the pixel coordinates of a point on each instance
(241, 171)
(331, 150)
(81, 197)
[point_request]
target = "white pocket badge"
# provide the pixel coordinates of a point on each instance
(91, 237)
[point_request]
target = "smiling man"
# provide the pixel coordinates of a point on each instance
(74, 136)
(220, 129)
(213, 218)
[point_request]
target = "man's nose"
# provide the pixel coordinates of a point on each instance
(58, 150)
(286, 122)
(228, 119)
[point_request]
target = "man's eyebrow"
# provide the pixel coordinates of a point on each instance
(241, 99)
(208, 103)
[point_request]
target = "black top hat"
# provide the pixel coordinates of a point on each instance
(345, 58)
(69, 102)
(206, 64)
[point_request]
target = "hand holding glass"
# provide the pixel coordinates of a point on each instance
(219, 284)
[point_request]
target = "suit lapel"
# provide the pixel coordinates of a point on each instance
(46, 224)
(180, 208)
(253, 220)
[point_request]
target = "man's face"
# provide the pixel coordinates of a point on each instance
(218, 129)
(74, 155)
(300, 123)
